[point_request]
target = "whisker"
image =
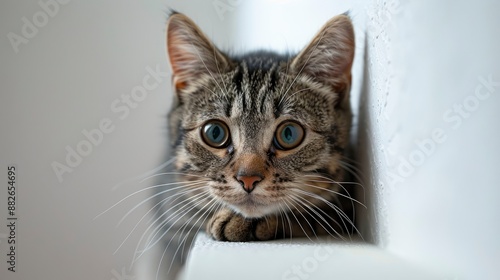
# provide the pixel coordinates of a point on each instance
(300, 225)
(288, 219)
(185, 224)
(160, 193)
(177, 196)
(331, 180)
(348, 196)
(353, 170)
(336, 197)
(220, 74)
(160, 167)
(277, 225)
(160, 208)
(170, 173)
(196, 200)
(339, 184)
(302, 201)
(139, 191)
(162, 202)
(286, 74)
(209, 72)
(214, 203)
(283, 223)
(193, 200)
(299, 204)
(210, 90)
(304, 65)
(219, 206)
(340, 194)
(286, 98)
(338, 210)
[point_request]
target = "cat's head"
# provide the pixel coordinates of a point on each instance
(263, 131)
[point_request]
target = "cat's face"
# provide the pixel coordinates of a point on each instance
(263, 131)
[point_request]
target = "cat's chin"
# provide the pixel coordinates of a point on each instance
(252, 209)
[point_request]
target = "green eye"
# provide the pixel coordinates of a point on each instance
(288, 135)
(215, 134)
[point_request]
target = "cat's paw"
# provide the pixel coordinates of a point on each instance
(226, 225)
(267, 228)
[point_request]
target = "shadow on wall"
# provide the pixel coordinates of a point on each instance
(366, 217)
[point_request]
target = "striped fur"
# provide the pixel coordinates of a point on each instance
(253, 94)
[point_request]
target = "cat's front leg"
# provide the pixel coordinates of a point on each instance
(226, 225)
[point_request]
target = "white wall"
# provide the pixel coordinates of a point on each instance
(436, 203)
(61, 80)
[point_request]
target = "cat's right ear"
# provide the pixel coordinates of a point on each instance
(191, 53)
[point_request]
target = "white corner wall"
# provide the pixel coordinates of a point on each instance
(429, 134)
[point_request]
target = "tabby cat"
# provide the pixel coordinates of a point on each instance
(258, 140)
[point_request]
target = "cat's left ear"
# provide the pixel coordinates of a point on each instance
(328, 57)
(191, 53)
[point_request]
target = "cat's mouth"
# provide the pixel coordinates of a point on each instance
(264, 200)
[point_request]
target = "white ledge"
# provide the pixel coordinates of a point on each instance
(296, 259)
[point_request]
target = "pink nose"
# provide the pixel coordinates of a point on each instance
(248, 182)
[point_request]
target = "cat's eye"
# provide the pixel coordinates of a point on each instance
(288, 135)
(215, 134)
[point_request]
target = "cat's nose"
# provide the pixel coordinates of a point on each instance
(248, 182)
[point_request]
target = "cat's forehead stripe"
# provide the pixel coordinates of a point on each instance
(255, 86)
